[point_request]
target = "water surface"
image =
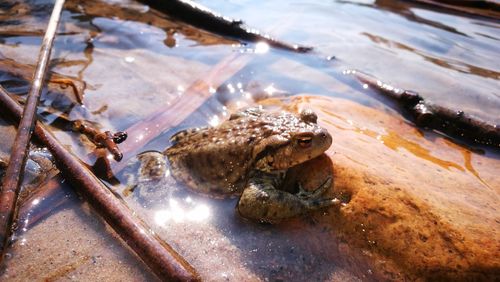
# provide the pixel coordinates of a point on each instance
(137, 64)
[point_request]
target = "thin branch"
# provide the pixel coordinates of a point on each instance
(160, 257)
(101, 139)
(14, 174)
(455, 123)
(71, 87)
(196, 94)
(197, 15)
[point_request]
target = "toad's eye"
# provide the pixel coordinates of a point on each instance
(304, 141)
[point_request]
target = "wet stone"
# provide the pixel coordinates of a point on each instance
(419, 201)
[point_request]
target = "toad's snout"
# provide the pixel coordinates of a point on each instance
(325, 139)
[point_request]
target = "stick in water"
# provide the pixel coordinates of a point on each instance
(159, 256)
(14, 174)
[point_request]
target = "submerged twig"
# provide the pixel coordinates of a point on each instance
(196, 94)
(72, 87)
(158, 255)
(202, 17)
(14, 174)
(101, 139)
(455, 123)
(93, 9)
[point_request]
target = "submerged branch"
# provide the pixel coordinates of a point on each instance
(197, 93)
(202, 17)
(108, 9)
(158, 255)
(56, 82)
(455, 123)
(101, 139)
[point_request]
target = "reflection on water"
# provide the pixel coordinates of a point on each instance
(449, 63)
(181, 211)
(261, 48)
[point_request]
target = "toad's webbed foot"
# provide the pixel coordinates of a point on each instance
(262, 201)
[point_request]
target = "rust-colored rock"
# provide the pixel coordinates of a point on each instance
(416, 198)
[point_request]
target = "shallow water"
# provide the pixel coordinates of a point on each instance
(445, 57)
(137, 64)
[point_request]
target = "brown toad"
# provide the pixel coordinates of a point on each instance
(249, 154)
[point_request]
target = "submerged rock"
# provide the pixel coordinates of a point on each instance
(415, 199)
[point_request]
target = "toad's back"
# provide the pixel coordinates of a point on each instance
(216, 159)
(219, 160)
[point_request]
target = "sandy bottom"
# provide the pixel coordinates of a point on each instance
(72, 244)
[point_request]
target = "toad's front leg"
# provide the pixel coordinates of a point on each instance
(262, 201)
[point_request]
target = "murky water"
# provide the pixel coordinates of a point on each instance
(151, 76)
